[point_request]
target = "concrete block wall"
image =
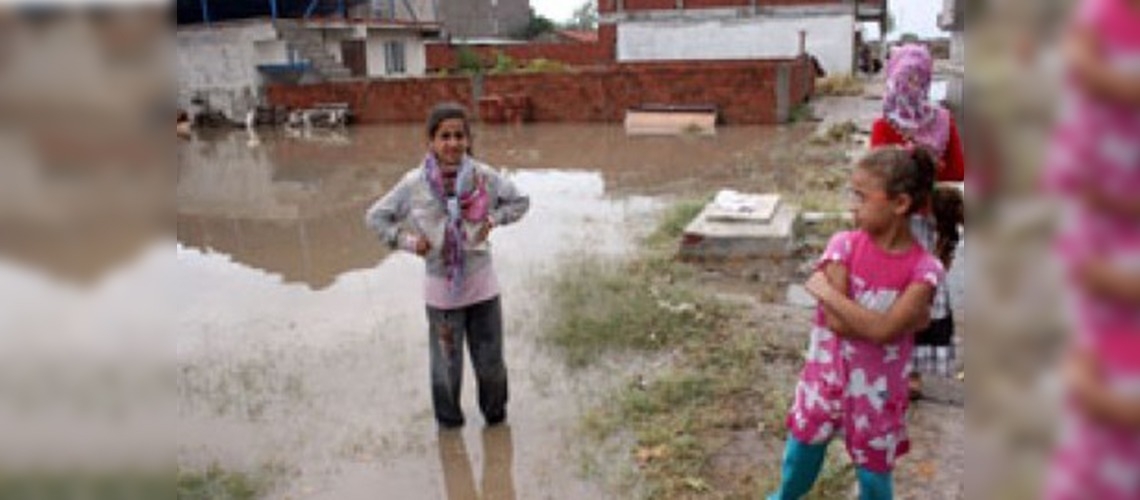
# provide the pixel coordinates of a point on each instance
(484, 18)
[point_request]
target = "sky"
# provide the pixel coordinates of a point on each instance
(914, 16)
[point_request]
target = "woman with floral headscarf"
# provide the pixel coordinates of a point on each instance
(909, 119)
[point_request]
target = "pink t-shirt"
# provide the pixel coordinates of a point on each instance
(878, 277)
(1116, 23)
(1095, 147)
(858, 386)
(479, 286)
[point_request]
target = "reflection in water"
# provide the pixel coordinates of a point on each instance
(314, 251)
(498, 460)
(279, 208)
(294, 207)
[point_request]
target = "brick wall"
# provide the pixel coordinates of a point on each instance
(802, 81)
(743, 91)
(377, 101)
(650, 4)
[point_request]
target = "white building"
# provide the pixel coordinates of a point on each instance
(227, 64)
(953, 20)
(732, 31)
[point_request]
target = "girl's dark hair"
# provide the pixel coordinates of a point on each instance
(449, 111)
(949, 213)
(446, 111)
(908, 171)
(911, 171)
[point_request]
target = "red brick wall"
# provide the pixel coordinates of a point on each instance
(743, 91)
(704, 4)
(802, 80)
(607, 38)
(650, 4)
(442, 56)
(377, 101)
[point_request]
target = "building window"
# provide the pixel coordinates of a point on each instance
(394, 59)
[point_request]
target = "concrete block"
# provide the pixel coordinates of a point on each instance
(705, 238)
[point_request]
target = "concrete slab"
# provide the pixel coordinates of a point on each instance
(733, 206)
(719, 240)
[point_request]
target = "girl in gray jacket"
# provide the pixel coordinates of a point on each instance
(443, 211)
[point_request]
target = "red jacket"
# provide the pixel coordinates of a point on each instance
(952, 166)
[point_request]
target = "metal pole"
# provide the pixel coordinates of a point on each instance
(205, 13)
(340, 7)
(273, 8)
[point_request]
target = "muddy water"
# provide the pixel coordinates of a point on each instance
(301, 342)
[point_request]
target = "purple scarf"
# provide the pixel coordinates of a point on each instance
(468, 204)
(906, 103)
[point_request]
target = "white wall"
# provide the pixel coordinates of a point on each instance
(958, 47)
(271, 51)
(415, 55)
(829, 37)
(374, 53)
(220, 63)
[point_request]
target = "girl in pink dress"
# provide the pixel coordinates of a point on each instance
(1095, 167)
(875, 286)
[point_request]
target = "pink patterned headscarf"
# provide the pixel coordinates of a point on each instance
(469, 203)
(906, 102)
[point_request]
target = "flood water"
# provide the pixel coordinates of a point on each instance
(301, 342)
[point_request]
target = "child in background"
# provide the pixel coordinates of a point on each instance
(874, 286)
(910, 119)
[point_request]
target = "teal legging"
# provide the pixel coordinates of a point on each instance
(802, 463)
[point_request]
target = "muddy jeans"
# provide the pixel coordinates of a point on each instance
(482, 325)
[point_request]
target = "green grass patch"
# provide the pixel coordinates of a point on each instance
(802, 112)
(839, 85)
(606, 305)
(216, 483)
(66, 485)
(541, 65)
(678, 421)
(670, 423)
(674, 221)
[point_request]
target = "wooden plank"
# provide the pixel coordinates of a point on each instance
(669, 123)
